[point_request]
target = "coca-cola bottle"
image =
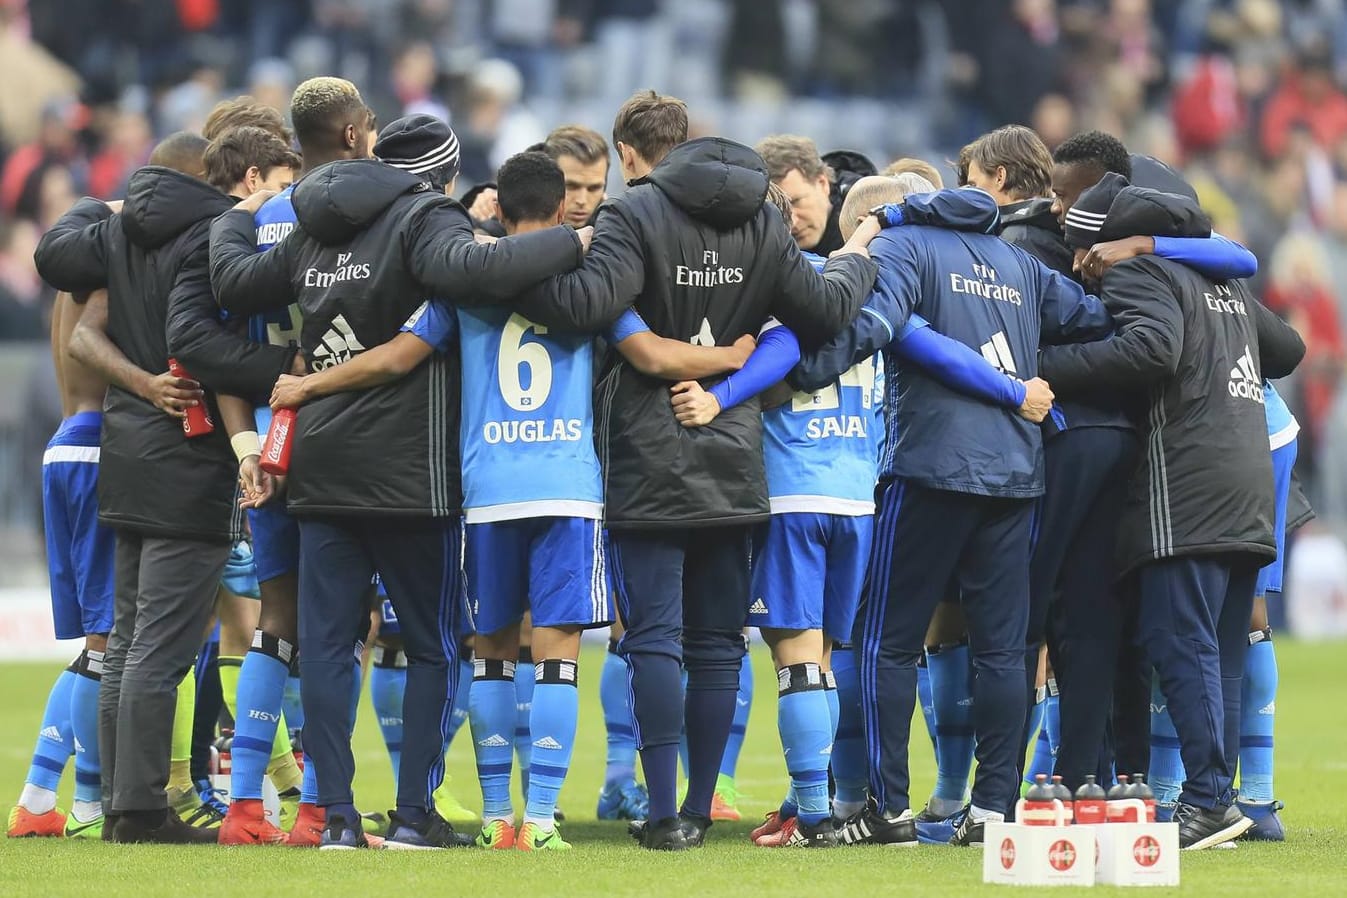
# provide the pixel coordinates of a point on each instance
(1091, 805)
(1063, 794)
(1122, 805)
(196, 421)
(279, 442)
(1142, 792)
(1037, 808)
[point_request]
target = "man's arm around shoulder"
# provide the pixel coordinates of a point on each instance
(245, 281)
(72, 256)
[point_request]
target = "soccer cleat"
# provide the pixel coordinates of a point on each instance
(496, 835)
(432, 833)
(661, 835)
(936, 830)
(338, 835)
(1267, 826)
(870, 827)
(724, 799)
(1200, 828)
(694, 828)
(289, 807)
(23, 823)
(199, 806)
(623, 801)
(79, 829)
(971, 831)
(246, 823)
(823, 834)
(172, 831)
(307, 831)
(770, 826)
(374, 822)
(533, 837)
(450, 808)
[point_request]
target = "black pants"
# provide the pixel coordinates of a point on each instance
(924, 540)
(1073, 601)
(420, 561)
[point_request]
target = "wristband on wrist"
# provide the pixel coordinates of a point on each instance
(245, 444)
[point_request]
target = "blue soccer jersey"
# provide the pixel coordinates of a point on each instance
(273, 221)
(821, 449)
(528, 420)
(1282, 426)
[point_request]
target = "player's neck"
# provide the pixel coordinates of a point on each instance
(526, 227)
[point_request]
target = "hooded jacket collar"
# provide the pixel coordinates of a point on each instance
(336, 201)
(1139, 211)
(1034, 213)
(714, 180)
(161, 203)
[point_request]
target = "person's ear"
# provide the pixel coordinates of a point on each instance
(351, 137)
(252, 179)
(495, 208)
(823, 183)
(560, 214)
(1000, 177)
(628, 156)
(449, 188)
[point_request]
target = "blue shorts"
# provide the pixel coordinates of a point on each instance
(79, 549)
(1283, 460)
(275, 541)
(808, 570)
(552, 567)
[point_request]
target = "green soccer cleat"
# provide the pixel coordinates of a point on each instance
(532, 837)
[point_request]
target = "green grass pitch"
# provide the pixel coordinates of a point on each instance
(1312, 758)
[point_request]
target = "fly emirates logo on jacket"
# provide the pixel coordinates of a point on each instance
(984, 283)
(346, 270)
(710, 274)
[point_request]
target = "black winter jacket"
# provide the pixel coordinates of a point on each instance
(1198, 351)
(694, 249)
(152, 479)
(371, 244)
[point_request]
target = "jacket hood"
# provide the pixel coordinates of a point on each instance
(1035, 213)
(161, 203)
(1140, 211)
(1147, 171)
(714, 180)
(334, 202)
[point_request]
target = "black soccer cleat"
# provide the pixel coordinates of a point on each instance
(661, 835)
(1201, 828)
(431, 833)
(694, 828)
(972, 831)
(134, 829)
(870, 827)
(823, 834)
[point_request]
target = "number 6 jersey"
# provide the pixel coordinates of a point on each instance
(527, 435)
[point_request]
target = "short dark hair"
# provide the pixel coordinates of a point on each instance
(651, 124)
(530, 187)
(181, 151)
(785, 153)
(1104, 151)
(241, 112)
(585, 145)
(322, 107)
(1020, 151)
(229, 157)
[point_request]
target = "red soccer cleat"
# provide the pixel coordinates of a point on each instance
(247, 824)
(24, 823)
(771, 825)
(308, 829)
(779, 839)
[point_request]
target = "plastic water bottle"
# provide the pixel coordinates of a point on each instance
(1091, 805)
(1038, 807)
(196, 421)
(1063, 794)
(279, 442)
(1142, 792)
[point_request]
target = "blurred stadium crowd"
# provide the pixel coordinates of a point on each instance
(1245, 96)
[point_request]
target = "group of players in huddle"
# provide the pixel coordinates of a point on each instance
(845, 452)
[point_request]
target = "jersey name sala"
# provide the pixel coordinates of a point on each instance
(527, 433)
(821, 449)
(274, 221)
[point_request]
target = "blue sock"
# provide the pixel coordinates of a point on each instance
(709, 709)
(806, 738)
(615, 697)
(683, 736)
(952, 694)
(491, 707)
(1166, 774)
(261, 692)
(834, 707)
(850, 770)
(743, 704)
(556, 707)
(84, 727)
(55, 741)
(1035, 730)
(659, 763)
(308, 786)
(924, 696)
(292, 706)
(459, 713)
(523, 692)
(1257, 714)
(1052, 722)
(1042, 759)
(386, 686)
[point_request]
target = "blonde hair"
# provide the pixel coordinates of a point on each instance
(869, 192)
(921, 167)
(322, 107)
